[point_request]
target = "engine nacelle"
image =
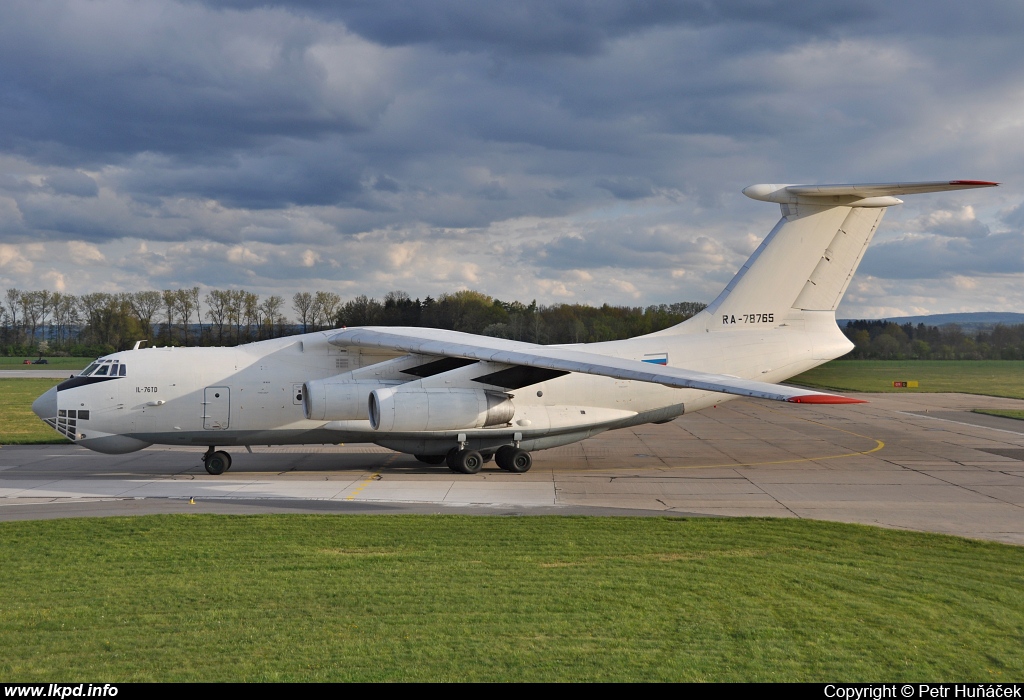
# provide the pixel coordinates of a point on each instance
(411, 410)
(331, 399)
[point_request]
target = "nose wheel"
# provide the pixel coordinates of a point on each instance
(216, 463)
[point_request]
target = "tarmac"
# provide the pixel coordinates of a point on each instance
(909, 461)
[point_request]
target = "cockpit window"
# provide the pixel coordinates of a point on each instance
(104, 368)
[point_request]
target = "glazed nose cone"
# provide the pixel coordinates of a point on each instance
(46, 405)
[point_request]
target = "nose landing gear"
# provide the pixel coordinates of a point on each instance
(216, 463)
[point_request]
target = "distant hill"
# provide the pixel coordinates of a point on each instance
(977, 321)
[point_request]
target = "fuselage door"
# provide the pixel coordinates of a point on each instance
(216, 407)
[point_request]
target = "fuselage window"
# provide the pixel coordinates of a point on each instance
(124, 369)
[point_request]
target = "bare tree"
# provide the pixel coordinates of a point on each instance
(236, 298)
(251, 309)
(194, 294)
(170, 302)
(184, 303)
(302, 302)
(67, 316)
(217, 304)
(144, 306)
(32, 306)
(325, 308)
(272, 318)
(13, 297)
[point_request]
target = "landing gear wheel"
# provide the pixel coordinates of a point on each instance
(430, 459)
(465, 461)
(217, 463)
(513, 459)
(521, 462)
(226, 457)
(501, 457)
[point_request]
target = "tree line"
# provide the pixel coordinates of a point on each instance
(44, 322)
(885, 340)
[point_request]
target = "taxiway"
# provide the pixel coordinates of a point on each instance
(914, 461)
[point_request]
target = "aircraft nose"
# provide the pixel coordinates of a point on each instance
(46, 405)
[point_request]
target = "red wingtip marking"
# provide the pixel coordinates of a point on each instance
(978, 183)
(824, 398)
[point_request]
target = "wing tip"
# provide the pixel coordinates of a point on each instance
(974, 183)
(824, 399)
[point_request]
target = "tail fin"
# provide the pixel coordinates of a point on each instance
(807, 261)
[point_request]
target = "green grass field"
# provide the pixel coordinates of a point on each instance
(455, 598)
(54, 363)
(1019, 415)
(988, 377)
(18, 425)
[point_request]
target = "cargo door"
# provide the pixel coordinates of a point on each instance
(216, 407)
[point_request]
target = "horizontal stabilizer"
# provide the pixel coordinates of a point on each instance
(443, 343)
(863, 194)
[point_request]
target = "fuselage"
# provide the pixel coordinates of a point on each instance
(253, 394)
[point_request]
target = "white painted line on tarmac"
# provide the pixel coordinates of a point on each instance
(958, 422)
(521, 494)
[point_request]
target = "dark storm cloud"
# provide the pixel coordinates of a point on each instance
(553, 26)
(627, 187)
(253, 179)
(315, 123)
(73, 183)
(84, 82)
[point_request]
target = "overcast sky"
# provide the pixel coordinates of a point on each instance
(537, 149)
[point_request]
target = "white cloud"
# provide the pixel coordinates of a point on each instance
(13, 260)
(244, 255)
(310, 258)
(82, 252)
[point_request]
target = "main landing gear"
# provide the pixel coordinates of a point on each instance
(509, 458)
(512, 459)
(216, 463)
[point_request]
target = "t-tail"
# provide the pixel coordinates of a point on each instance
(803, 267)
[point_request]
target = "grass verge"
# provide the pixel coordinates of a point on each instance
(989, 377)
(53, 363)
(18, 425)
(1019, 415)
(443, 598)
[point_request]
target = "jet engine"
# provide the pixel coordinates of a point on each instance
(409, 410)
(327, 399)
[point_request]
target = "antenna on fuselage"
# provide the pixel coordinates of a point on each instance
(138, 344)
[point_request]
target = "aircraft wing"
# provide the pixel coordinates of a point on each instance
(442, 343)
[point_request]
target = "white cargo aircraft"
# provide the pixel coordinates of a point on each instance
(458, 398)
